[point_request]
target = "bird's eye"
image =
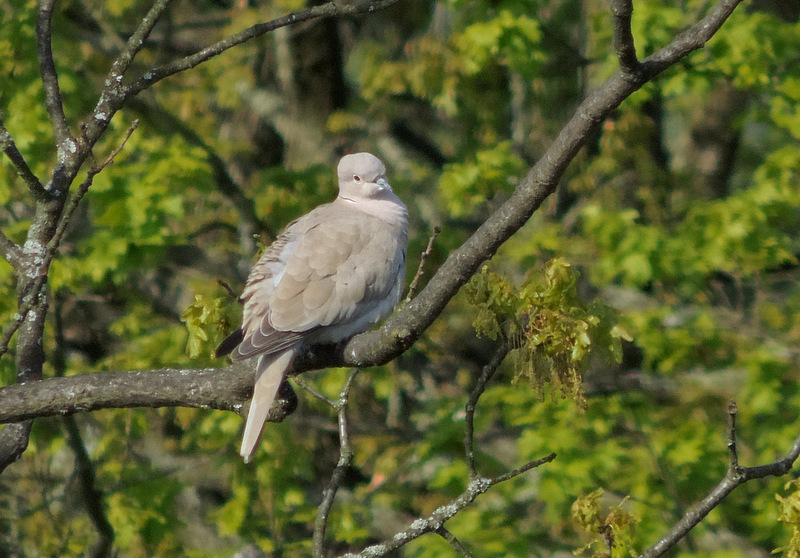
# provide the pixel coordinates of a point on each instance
(356, 178)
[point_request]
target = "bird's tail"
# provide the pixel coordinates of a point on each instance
(269, 375)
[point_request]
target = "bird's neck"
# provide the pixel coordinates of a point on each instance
(387, 207)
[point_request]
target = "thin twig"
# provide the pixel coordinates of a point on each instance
(20, 164)
(314, 392)
(454, 542)
(52, 246)
(228, 289)
(327, 10)
(480, 386)
(440, 515)
(423, 258)
(345, 460)
(732, 451)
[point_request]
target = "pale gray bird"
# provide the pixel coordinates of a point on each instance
(331, 274)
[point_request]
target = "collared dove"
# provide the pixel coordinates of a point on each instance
(331, 274)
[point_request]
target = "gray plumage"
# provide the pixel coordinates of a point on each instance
(331, 274)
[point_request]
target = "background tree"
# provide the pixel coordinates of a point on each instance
(148, 154)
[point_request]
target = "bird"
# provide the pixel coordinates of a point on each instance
(331, 274)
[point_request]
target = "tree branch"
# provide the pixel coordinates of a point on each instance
(10, 251)
(206, 388)
(345, 460)
(440, 515)
(469, 418)
(622, 11)
(735, 477)
(329, 9)
(403, 329)
(52, 93)
(412, 288)
(9, 147)
(136, 42)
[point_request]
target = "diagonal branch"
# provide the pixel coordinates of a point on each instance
(440, 515)
(327, 10)
(735, 477)
(9, 250)
(136, 41)
(405, 327)
(9, 147)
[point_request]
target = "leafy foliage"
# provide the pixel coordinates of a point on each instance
(552, 331)
(685, 283)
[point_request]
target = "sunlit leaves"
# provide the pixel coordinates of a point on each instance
(512, 41)
(204, 314)
(466, 186)
(547, 324)
(610, 527)
(790, 516)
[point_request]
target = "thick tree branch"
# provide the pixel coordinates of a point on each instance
(205, 388)
(735, 477)
(401, 331)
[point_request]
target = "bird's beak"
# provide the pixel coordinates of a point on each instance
(384, 184)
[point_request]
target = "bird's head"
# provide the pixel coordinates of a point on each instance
(362, 175)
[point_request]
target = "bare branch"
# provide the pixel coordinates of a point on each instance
(329, 9)
(20, 165)
(52, 92)
(10, 251)
(34, 289)
(440, 515)
(454, 542)
(29, 301)
(480, 386)
(206, 388)
(345, 460)
(622, 11)
(423, 258)
(13, 442)
(92, 497)
(735, 477)
(732, 452)
(136, 42)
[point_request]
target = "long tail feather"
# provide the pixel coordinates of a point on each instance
(269, 375)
